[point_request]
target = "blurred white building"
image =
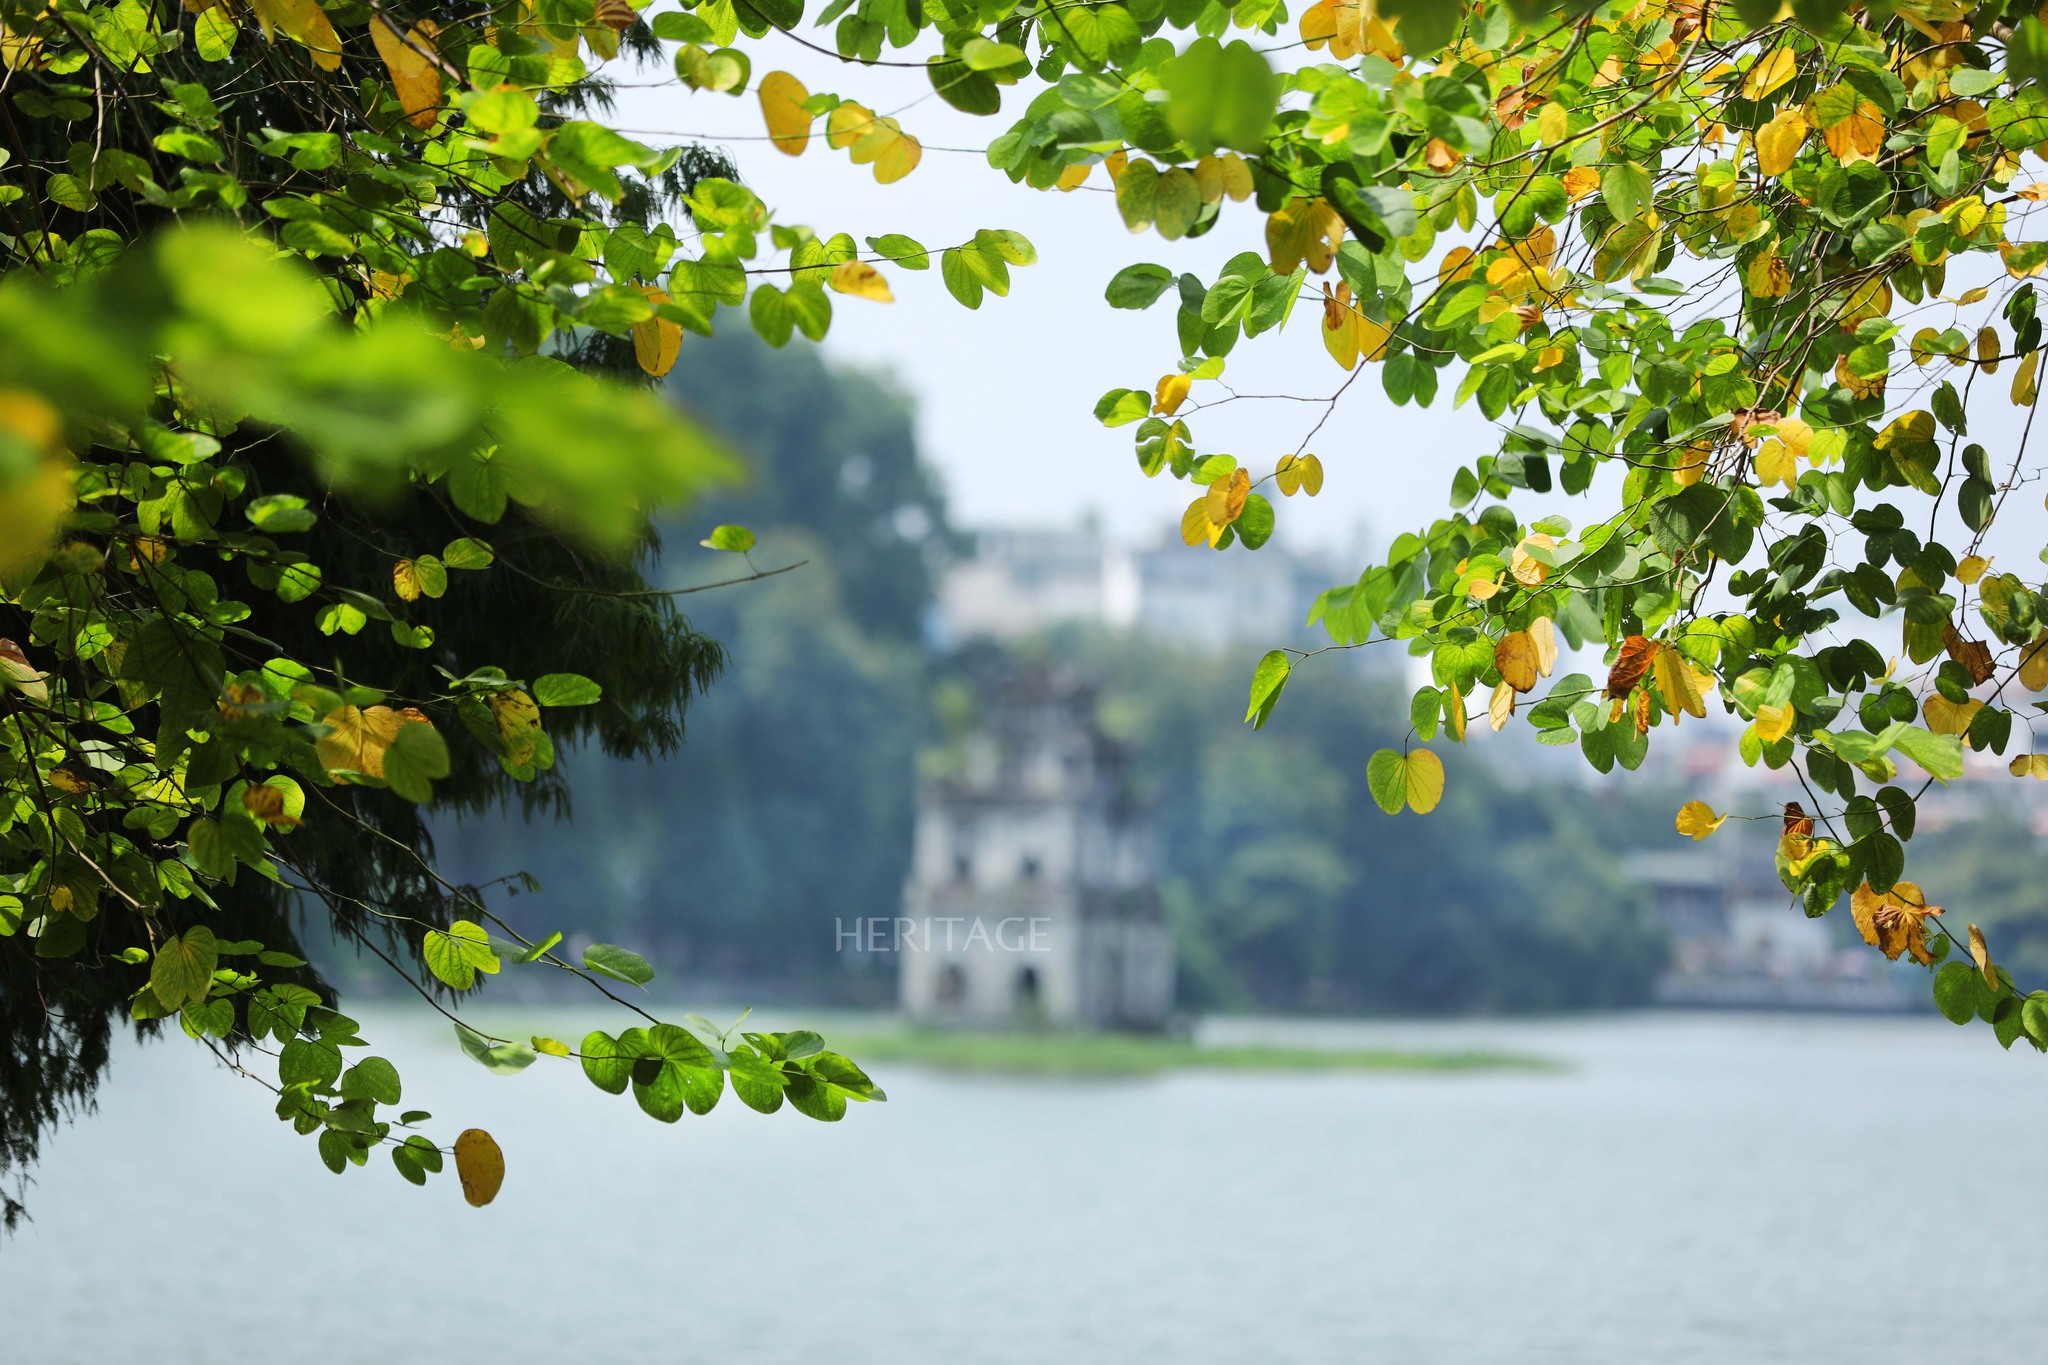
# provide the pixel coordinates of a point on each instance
(1021, 581)
(1032, 896)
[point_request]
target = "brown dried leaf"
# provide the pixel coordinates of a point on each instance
(1895, 922)
(1973, 655)
(1636, 657)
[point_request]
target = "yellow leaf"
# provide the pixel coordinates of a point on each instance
(1773, 723)
(1696, 820)
(553, 1047)
(782, 107)
(1988, 349)
(267, 804)
(1515, 658)
(861, 280)
(1502, 708)
(518, 721)
(2013, 263)
(356, 739)
(1856, 384)
(1778, 142)
(1553, 123)
(2029, 765)
(656, 340)
(1340, 333)
(1170, 393)
(893, 152)
(2034, 664)
(1894, 922)
(1425, 780)
(1073, 177)
(405, 581)
(1980, 953)
(1859, 137)
(413, 74)
(1303, 230)
(1457, 265)
(1299, 473)
(1770, 72)
(480, 1165)
(847, 124)
(1209, 179)
(1945, 717)
(2026, 380)
(1528, 570)
(1226, 496)
(1972, 568)
(1776, 465)
(305, 23)
(1581, 181)
(1543, 634)
(1237, 178)
(1319, 24)
(1194, 523)
(1768, 277)
(1677, 684)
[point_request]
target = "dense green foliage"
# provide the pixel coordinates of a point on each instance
(1666, 237)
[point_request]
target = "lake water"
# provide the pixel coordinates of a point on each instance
(1691, 1188)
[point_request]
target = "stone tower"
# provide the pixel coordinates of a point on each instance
(1032, 896)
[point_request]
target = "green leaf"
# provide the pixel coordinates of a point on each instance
(456, 956)
(280, 514)
(565, 689)
(467, 553)
(1138, 286)
(1626, 187)
(1269, 679)
(733, 539)
(1120, 407)
(1940, 755)
(416, 758)
(1386, 777)
(303, 1061)
(372, 1078)
(416, 1157)
(757, 1081)
(609, 1067)
(907, 252)
(503, 1058)
(1955, 991)
(672, 1071)
(620, 964)
(1219, 96)
(183, 970)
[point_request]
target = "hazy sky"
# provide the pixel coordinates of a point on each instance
(1005, 394)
